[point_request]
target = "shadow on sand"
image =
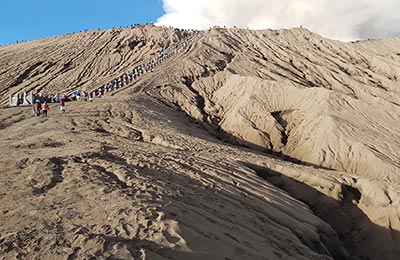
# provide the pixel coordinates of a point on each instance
(363, 238)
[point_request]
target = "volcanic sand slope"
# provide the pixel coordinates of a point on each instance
(81, 60)
(130, 176)
(293, 92)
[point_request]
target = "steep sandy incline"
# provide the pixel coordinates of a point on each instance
(135, 179)
(130, 176)
(79, 61)
(338, 110)
(318, 101)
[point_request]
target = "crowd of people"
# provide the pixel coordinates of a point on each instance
(41, 107)
(148, 66)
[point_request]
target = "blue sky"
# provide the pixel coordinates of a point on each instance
(32, 19)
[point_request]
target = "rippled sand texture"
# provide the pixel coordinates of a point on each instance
(247, 145)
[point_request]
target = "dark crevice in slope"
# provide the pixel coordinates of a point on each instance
(47, 67)
(200, 102)
(66, 67)
(343, 216)
(282, 122)
(347, 86)
(350, 193)
(133, 43)
(221, 65)
(25, 74)
(228, 56)
(394, 103)
(301, 79)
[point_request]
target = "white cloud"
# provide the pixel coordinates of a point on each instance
(338, 19)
